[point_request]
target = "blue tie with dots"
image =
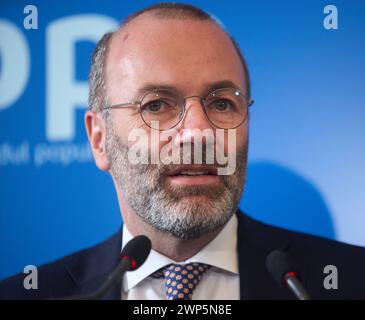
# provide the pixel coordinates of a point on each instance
(181, 279)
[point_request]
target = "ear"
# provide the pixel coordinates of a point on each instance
(95, 129)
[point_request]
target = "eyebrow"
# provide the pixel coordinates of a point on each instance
(207, 88)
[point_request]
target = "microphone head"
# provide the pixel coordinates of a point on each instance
(137, 251)
(279, 264)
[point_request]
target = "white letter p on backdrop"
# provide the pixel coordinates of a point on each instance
(64, 93)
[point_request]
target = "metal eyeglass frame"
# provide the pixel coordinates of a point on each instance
(182, 114)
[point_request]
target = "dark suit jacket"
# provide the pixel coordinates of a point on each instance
(84, 271)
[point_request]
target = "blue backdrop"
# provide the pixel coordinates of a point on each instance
(307, 155)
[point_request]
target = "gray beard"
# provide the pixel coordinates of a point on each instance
(167, 208)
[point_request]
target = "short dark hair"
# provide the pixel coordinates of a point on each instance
(165, 10)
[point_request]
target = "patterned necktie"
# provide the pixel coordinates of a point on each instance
(181, 279)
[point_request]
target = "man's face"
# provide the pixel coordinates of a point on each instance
(190, 56)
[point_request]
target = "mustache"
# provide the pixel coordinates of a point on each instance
(201, 157)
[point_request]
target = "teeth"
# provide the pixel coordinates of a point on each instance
(194, 173)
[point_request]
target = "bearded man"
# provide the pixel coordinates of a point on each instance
(172, 69)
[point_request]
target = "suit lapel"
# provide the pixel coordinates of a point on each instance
(92, 267)
(254, 244)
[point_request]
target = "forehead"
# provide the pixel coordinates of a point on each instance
(188, 54)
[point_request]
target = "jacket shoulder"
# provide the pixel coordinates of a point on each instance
(316, 256)
(265, 233)
(63, 276)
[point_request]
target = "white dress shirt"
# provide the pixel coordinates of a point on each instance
(220, 282)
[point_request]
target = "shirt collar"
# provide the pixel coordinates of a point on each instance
(221, 253)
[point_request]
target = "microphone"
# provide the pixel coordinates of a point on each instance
(283, 270)
(133, 255)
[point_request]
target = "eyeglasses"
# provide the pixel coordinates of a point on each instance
(225, 108)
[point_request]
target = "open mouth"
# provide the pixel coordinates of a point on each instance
(193, 174)
(193, 170)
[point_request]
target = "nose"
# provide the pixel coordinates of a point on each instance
(194, 119)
